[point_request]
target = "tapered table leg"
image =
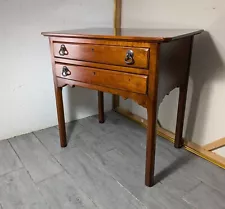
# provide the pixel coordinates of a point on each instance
(101, 117)
(151, 143)
(60, 113)
(179, 142)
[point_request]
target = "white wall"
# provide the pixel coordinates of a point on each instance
(205, 118)
(27, 100)
(26, 88)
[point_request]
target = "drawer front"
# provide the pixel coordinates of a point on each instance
(114, 55)
(117, 80)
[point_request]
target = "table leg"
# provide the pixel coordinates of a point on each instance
(179, 142)
(150, 144)
(60, 113)
(101, 107)
(116, 101)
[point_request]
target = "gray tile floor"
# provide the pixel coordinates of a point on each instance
(103, 168)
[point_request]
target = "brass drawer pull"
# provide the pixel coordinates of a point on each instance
(63, 51)
(129, 59)
(65, 71)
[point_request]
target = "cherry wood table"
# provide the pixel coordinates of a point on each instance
(141, 64)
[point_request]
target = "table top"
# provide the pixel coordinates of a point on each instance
(140, 34)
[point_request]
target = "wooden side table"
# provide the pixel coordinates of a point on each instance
(141, 64)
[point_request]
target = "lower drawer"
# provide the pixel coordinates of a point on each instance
(117, 80)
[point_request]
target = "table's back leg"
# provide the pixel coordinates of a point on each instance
(60, 113)
(101, 117)
(179, 142)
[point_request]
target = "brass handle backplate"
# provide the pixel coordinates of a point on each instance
(129, 59)
(63, 51)
(65, 71)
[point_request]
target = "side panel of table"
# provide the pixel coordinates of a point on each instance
(174, 67)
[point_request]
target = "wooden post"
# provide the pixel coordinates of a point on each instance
(117, 26)
(117, 13)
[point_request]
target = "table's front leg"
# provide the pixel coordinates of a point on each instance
(152, 110)
(61, 118)
(59, 100)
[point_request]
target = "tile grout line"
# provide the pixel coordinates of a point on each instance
(193, 188)
(18, 169)
(64, 170)
(115, 178)
(99, 167)
(39, 192)
(72, 178)
(73, 121)
(211, 186)
(45, 179)
(41, 142)
(36, 183)
(99, 136)
(112, 175)
(183, 198)
(20, 160)
(51, 156)
(102, 168)
(190, 204)
(22, 165)
(121, 185)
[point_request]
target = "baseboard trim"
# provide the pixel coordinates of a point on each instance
(188, 145)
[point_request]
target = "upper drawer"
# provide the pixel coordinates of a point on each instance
(114, 55)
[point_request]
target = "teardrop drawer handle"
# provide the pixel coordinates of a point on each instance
(129, 59)
(65, 71)
(63, 51)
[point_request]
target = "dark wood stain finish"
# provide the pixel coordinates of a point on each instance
(179, 142)
(101, 116)
(127, 34)
(106, 54)
(95, 59)
(128, 82)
